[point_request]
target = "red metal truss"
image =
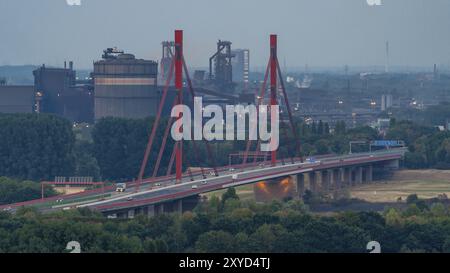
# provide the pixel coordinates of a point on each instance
(273, 82)
(179, 88)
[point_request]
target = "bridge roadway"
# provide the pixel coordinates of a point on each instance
(168, 190)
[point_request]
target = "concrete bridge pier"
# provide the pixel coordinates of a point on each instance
(358, 175)
(159, 209)
(178, 206)
(368, 174)
(151, 211)
(325, 180)
(131, 213)
(336, 178)
(312, 179)
(348, 177)
(300, 184)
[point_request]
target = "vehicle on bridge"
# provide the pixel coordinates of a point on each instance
(121, 187)
(311, 160)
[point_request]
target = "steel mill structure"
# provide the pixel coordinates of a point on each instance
(125, 86)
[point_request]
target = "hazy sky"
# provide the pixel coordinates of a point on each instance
(317, 32)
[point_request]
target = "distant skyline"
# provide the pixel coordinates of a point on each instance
(320, 33)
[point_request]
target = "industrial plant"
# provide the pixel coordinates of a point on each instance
(121, 85)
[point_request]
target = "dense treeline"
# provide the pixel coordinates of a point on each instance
(428, 147)
(230, 225)
(35, 146)
(119, 145)
(13, 191)
(432, 115)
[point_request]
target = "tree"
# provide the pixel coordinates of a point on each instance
(314, 128)
(327, 129)
(35, 146)
(340, 128)
(215, 242)
(85, 163)
(320, 128)
(119, 146)
(415, 161)
(322, 147)
(229, 194)
(14, 191)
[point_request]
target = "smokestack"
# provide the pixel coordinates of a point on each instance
(71, 65)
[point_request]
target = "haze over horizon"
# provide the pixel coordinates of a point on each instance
(315, 32)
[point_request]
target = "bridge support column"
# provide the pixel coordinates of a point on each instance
(151, 211)
(325, 180)
(131, 214)
(160, 209)
(359, 175)
(341, 172)
(312, 179)
(336, 178)
(300, 185)
(138, 211)
(348, 178)
(178, 206)
(369, 174)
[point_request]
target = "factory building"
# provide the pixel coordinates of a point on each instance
(124, 86)
(241, 65)
(386, 102)
(58, 92)
(51, 83)
(17, 99)
(221, 68)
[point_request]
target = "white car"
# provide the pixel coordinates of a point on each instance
(194, 187)
(158, 184)
(204, 182)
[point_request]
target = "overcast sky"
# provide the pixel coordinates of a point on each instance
(317, 32)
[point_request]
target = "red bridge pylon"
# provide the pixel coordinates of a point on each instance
(177, 67)
(273, 68)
